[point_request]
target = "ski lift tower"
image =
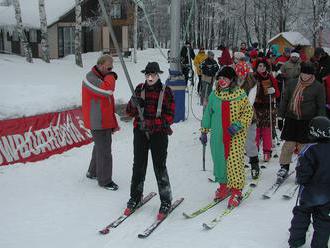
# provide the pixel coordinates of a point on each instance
(176, 79)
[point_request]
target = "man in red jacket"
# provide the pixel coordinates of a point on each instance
(98, 107)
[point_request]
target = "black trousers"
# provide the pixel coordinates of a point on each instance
(101, 162)
(301, 221)
(157, 143)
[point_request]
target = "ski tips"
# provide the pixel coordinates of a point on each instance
(104, 231)
(186, 215)
(206, 226)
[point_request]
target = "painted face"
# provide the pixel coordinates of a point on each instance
(261, 68)
(224, 82)
(151, 78)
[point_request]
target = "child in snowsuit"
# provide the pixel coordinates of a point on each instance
(227, 116)
(313, 174)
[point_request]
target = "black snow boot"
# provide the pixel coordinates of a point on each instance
(255, 170)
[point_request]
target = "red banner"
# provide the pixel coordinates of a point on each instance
(35, 138)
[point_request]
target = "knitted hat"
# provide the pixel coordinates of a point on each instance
(307, 68)
(295, 54)
(228, 72)
(210, 53)
(239, 55)
(319, 51)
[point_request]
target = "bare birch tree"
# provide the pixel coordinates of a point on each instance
(77, 34)
(44, 32)
(20, 30)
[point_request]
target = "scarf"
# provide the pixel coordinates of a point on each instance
(297, 98)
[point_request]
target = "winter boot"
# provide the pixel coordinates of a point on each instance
(132, 205)
(267, 156)
(255, 170)
(235, 198)
(222, 192)
(111, 186)
(283, 172)
(164, 209)
(90, 176)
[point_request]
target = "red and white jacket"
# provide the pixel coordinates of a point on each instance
(98, 102)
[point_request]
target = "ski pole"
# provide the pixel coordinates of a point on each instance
(115, 42)
(204, 151)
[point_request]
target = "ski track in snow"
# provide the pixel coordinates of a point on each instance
(51, 204)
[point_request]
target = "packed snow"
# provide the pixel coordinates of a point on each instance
(52, 204)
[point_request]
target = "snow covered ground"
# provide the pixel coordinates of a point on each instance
(51, 204)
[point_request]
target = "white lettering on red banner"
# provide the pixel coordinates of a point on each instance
(38, 137)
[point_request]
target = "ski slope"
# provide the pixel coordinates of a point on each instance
(51, 204)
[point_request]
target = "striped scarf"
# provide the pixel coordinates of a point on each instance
(297, 98)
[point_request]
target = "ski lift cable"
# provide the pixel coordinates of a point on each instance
(141, 5)
(115, 42)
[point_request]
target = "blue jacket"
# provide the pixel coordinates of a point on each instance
(313, 173)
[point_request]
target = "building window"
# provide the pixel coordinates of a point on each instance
(116, 11)
(33, 35)
(65, 41)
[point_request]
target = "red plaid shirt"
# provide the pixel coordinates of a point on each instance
(153, 124)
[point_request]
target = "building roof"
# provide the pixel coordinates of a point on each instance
(55, 9)
(294, 38)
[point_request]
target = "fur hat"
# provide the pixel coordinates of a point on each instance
(228, 72)
(307, 68)
(239, 55)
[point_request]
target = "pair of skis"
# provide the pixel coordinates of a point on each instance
(151, 228)
(274, 188)
(225, 212)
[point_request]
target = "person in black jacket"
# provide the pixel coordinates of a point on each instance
(313, 174)
(209, 68)
(186, 60)
(303, 100)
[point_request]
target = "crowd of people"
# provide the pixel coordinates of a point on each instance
(257, 92)
(246, 97)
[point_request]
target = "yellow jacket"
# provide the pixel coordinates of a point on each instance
(200, 57)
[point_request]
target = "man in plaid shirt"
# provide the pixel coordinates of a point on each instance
(157, 104)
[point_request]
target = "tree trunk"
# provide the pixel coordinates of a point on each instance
(135, 33)
(20, 30)
(44, 32)
(77, 34)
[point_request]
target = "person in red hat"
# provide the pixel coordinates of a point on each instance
(227, 116)
(157, 103)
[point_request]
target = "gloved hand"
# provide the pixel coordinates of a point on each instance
(280, 123)
(234, 128)
(203, 138)
(138, 100)
(271, 91)
(113, 74)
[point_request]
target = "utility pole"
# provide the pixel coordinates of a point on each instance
(176, 80)
(175, 35)
(135, 32)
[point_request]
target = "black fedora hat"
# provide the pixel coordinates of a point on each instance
(152, 67)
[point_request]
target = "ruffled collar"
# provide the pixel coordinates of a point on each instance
(230, 94)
